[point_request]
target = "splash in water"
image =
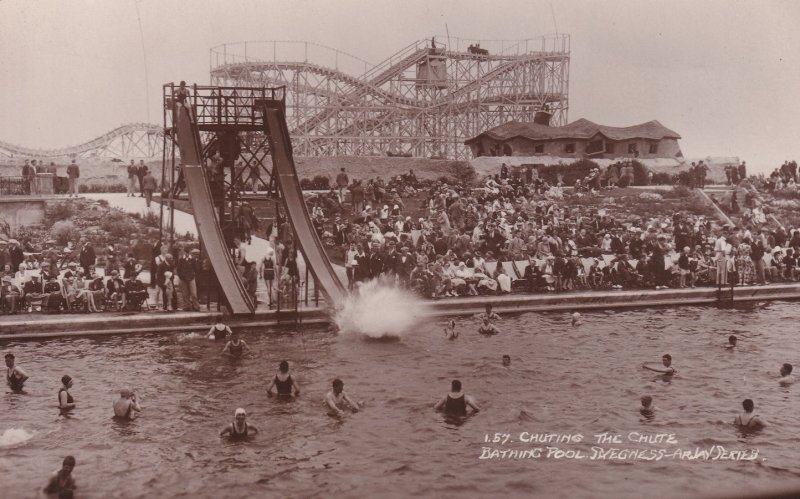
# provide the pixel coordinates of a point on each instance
(14, 436)
(380, 309)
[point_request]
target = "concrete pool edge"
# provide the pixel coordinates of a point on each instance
(159, 322)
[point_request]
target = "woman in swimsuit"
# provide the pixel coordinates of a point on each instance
(235, 347)
(15, 376)
(219, 332)
(748, 419)
(65, 400)
(239, 429)
(283, 382)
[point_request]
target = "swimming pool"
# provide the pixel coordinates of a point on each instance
(562, 380)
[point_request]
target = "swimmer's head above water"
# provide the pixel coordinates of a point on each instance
(786, 369)
(506, 360)
(666, 360)
(338, 386)
(732, 340)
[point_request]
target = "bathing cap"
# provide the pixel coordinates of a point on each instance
(240, 411)
(66, 379)
(219, 326)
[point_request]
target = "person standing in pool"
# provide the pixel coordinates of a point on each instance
(488, 314)
(239, 429)
(65, 400)
(748, 418)
(786, 375)
(235, 347)
(219, 332)
(648, 410)
(126, 405)
(456, 402)
(336, 400)
(283, 383)
(15, 376)
(667, 370)
(487, 328)
(62, 482)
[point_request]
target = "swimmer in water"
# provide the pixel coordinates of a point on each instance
(219, 332)
(283, 382)
(450, 330)
(488, 314)
(667, 370)
(239, 429)
(456, 402)
(488, 328)
(786, 375)
(336, 400)
(731, 342)
(65, 400)
(506, 360)
(126, 405)
(62, 482)
(748, 419)
(576, 319)
(15, 376)
(647, 409)
(235, 347)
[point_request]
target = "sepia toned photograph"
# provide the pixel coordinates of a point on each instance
(389, 249)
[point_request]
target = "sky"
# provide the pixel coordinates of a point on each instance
(725, 75)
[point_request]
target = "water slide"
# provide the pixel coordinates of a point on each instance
(285, 173)
(205, 216)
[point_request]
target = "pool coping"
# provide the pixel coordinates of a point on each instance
(66, 325)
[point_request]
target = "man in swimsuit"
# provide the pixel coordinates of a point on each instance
(235, 347)
(667, 361)
(488, 314)
(748, 419)
(15, 376)
(239, 429)
(62, 482)
(456, 402)
(65, 400)
(786, 375)
(488, 328)
(126, 405)
(336, 398)
(219, 332)
(283, 382)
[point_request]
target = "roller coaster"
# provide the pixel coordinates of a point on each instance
(424, 100)
(135, 140)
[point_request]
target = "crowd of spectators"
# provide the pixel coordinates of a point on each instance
(70, 280)
(511, 236)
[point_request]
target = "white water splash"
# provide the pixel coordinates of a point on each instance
(380, 309)
(14, 436)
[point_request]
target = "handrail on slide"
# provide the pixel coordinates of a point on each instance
(286, 174)
(205, 215)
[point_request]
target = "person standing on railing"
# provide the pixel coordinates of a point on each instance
(74, 173)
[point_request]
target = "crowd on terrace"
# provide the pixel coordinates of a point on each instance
(511, 236)
(438, 239)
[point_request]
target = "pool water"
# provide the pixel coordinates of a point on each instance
(563, 380)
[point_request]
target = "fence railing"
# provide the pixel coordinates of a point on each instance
(39, 184)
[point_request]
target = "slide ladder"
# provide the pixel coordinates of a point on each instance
(286, 174)
(205, 215)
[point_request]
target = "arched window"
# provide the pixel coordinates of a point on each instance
(506, 150)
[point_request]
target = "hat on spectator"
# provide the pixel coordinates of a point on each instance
(167, 274)
(195, 251)
(114, 272)
(67, 274)
(72, 264)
